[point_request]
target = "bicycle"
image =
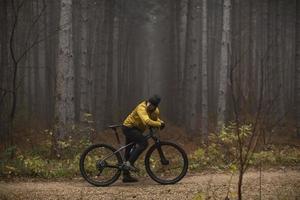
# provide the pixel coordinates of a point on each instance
(165, 162)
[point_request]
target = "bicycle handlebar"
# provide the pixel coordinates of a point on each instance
(152, 132)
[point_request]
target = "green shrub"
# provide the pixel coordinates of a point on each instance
(220, 153)
(38, 163)
(277, 156)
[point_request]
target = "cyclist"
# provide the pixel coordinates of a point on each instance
(145, 115)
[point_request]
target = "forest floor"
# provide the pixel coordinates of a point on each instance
(276, 184)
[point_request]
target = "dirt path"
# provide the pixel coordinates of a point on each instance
(275, 185)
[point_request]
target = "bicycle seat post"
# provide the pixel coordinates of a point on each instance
(117, 136)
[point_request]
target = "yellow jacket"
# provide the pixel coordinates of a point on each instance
(141, 119)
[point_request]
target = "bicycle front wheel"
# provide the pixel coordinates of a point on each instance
(166, 163)
(100, 165)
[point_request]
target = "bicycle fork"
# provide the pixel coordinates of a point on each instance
(163, 159)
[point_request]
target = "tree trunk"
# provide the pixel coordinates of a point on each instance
(3, 71)
(122, 52)
(36, 66)
(50, 71)
(14, 70)
(192, 65)
(252, 100)
(100, 88)
(84, 70)
(4, 47)
(182, 21)
(204, 112)
(280, 71)
(109, 54)
(240, 183)
(64, 109)
(297, 72)
(224, 65)
(179, 71)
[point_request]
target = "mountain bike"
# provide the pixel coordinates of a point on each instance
(165, 162)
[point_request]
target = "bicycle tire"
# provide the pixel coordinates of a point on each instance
(153, 175)
(83, 170)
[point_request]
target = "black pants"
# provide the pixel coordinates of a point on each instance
(136, 136)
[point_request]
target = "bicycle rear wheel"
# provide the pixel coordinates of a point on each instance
(99, 165)
(166, 163)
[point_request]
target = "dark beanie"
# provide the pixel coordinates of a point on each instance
(154, 100)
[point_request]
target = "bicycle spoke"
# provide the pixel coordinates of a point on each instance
(167, 171)
(100, 165)
(167, 163)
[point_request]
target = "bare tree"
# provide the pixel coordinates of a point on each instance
(249, 124)
(17, 57)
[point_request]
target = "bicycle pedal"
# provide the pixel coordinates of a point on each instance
(130, 168)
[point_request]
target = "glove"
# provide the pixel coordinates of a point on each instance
(162, 126)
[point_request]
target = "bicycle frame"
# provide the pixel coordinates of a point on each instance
(148, 136)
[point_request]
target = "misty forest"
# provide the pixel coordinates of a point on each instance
(227, 72)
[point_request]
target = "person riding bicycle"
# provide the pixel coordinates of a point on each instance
(145, 115)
